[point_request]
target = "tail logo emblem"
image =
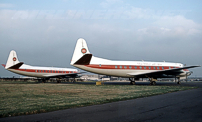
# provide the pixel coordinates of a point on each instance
(83, 50)
(14, 58)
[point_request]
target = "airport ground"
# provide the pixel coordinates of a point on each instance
(176, 106)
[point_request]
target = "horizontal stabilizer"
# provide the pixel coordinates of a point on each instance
(84, 60)
(3, 65)
(16, 66)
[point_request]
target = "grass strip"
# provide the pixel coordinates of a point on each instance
(31, 98)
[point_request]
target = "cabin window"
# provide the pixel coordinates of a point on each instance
(169, 68)
(140, 67)
(149, 67)
(145, 67)
(130, 67)
(115, 67)
(154, 67)
(135, 67)
(158, 68)
(100, 65)
(120, 67)
(162, 68)
(125, 67)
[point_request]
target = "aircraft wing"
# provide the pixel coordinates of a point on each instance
(63, 75)
(173, 71)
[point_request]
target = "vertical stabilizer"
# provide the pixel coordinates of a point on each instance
(80, 50)
(12, 60)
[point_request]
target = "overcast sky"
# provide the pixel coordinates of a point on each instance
(44, 32)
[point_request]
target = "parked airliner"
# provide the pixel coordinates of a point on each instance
(83, 59)
(44, 73)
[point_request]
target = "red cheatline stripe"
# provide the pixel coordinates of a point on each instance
(46, 71)
(128, 67)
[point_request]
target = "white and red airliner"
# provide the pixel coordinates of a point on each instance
(44, 73)
(83, 59)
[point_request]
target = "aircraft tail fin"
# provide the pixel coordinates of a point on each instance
(80, 50)
(12, 60)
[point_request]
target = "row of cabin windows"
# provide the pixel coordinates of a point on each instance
(141, 67)
(53, 71)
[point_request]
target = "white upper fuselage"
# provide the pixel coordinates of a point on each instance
(126, 68)
(42, 72)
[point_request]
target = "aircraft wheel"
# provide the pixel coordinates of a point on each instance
(153, 83)
(178, 82)
(132, 83)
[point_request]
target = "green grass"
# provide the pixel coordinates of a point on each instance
(29, 98)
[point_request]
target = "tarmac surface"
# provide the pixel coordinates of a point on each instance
(183, 106)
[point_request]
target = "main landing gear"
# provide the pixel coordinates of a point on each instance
(132, 81)
(44, 80)
(152, 81)
(177, 79)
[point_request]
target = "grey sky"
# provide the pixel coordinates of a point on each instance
(45, 33)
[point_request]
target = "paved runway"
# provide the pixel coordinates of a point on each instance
(183, 106)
